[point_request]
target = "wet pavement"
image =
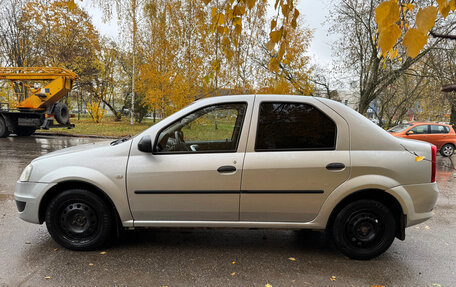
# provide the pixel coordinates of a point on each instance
(202, 257)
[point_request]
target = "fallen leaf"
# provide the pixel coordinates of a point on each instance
(427, 227)
(47, 277)
(292, 259)
(446, 244)
(55, 249)
(435, 284)
(419, 158)
(268, 285)
(333, 278)
(234, 262)
(103, 252)
(378, 286)
(90, 264)
(234, 273)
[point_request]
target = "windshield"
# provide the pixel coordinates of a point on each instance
(399, 128)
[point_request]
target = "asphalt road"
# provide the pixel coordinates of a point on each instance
(203, 257)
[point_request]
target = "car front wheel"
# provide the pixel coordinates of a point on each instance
(447, 150)
(78, 219)
(364, 229)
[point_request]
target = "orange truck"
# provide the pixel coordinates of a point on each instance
(38, 107)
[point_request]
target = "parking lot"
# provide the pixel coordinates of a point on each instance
(204, 257)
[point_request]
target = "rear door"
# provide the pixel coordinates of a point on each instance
(438, 135)
(297, 154)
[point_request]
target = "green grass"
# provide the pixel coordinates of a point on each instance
(107, 127)
(209, 132)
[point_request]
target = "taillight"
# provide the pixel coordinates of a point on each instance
(434, 159)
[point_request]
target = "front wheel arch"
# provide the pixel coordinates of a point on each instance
(62, 186)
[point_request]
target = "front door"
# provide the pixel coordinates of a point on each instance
(194, 173)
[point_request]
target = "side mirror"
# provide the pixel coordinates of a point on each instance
(409, 133)
(145, 144)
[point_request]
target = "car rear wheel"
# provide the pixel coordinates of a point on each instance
(78, 219)
(447, 150)
(364, 229)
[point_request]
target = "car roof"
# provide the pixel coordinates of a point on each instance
(427, 123)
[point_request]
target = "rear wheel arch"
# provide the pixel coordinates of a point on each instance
(66, 185)
(378, 195)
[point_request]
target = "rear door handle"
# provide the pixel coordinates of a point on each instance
(335, 166)
(226, 168)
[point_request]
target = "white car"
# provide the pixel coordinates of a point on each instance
(252, 161)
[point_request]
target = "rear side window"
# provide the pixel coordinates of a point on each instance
(294, 126)
(437, 129)
(423, 129)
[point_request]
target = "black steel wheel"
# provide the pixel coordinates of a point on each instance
(4, 132)
(24, 131)
(80, 220)
(364, 229)
(447, 150)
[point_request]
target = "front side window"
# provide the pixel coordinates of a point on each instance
(215, 128)
(437, 129)
(294, 126)
(423, 129)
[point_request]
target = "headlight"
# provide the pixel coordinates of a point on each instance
(25, 176)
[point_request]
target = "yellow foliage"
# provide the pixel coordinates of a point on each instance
(96, 112)
(414, 41)
(386, 14)
(425, 19)
(389, 12)
(444, 7)
(388, 38)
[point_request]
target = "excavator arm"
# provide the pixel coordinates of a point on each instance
(39, 99)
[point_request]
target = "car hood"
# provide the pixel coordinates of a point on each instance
(74, 149)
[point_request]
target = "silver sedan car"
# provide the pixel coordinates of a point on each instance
(252, 161)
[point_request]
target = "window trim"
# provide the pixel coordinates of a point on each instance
(293, 149)
(154, 149)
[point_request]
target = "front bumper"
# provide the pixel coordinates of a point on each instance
(28, 196)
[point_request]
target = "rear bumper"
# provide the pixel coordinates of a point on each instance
(422, 199)
(28, 197)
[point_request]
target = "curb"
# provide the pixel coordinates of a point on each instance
(75, 136)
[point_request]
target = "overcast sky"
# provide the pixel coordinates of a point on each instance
(313, 12)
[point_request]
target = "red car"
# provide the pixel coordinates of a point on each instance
(441, 135)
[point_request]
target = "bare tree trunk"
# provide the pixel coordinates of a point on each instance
(132, 111)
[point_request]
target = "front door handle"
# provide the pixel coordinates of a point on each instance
(226, 168)
(335, 166)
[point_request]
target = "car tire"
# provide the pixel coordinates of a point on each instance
(24, 131)
(4, 132)
(364, 229)
(80, 220)
(447, 150)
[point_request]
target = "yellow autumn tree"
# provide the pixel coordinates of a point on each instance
(400, 21)
(291, 74)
